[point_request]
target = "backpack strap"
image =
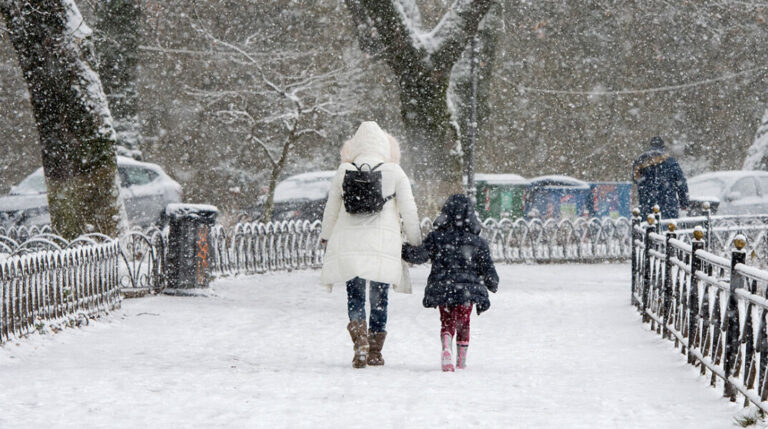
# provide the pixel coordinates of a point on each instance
(384, 201)
(360, 167)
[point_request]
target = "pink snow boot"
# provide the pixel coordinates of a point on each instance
(447, 360)
(461, 352)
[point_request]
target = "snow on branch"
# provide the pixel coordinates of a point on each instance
(396, 31)
(397, 25)
(757, 154)
(259, 142)
(452, 33)
(278, 100)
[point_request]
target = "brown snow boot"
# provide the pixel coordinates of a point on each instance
(359, 333)
(376, 342)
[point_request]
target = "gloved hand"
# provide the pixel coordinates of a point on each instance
(414, 254)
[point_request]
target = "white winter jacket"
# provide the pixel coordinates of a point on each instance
(368, 246)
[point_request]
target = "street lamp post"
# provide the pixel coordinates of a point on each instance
(472, 131)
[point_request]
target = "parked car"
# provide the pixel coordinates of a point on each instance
(302, 197)
(730, 192)
(145, 188)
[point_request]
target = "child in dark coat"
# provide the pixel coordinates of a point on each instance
(462, 274)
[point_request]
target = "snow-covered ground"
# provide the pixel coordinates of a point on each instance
(560, 348)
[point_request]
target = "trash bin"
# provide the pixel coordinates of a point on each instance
(611, 199)
(189, 257)
(500, 195)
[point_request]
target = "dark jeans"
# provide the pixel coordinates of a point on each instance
(379, 301)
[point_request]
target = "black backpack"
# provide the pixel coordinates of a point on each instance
(362, 190)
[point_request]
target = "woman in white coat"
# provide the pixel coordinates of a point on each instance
(364, 248)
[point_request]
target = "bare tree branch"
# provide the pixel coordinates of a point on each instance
(311, 131)
(455, 29)
(294, 105)
(400, 43)
(252, 137)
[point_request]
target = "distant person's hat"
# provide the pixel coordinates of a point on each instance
(657, 143)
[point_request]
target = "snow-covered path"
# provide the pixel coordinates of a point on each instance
(560, 348)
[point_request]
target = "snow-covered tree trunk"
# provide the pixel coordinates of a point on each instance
(55, 53)
(117, 44)
(422, 62)
(757, 154)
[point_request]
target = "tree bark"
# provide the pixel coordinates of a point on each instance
(277, 169)
(117, 45)
(55, 53)
(757, 154)
(431, 155)
(422, 63)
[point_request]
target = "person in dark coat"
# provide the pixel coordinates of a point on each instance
(462, 274)
(660, 180)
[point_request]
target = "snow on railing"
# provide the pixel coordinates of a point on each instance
(143, 260)
(20, 234)
(45, 278)
(142, 251)
(46, 289)
(719, 232)
(251, 248)
(707, 300)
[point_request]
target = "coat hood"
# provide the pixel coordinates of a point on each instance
(458, 214)
(647, 159)
(369, 141)
(657, 143)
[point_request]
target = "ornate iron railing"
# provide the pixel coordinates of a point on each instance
(56, 285)
(579, 240)
(45, 277)
(719, 232)
(143, 260)
(142, 251)
(250, 248)
(713, 307)
(20, 234)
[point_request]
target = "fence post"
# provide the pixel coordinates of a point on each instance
(647, 266)
(708, 224)
(657, 217)
(732, 331)
(632, 235)
(693, 294)
(667, 293)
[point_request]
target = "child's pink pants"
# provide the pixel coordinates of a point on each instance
(454, 321)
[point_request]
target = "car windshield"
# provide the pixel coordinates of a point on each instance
(315, 188)
(133, 176)
(32, 184)
(706, 188)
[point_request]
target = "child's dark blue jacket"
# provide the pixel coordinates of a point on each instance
(462, 268)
